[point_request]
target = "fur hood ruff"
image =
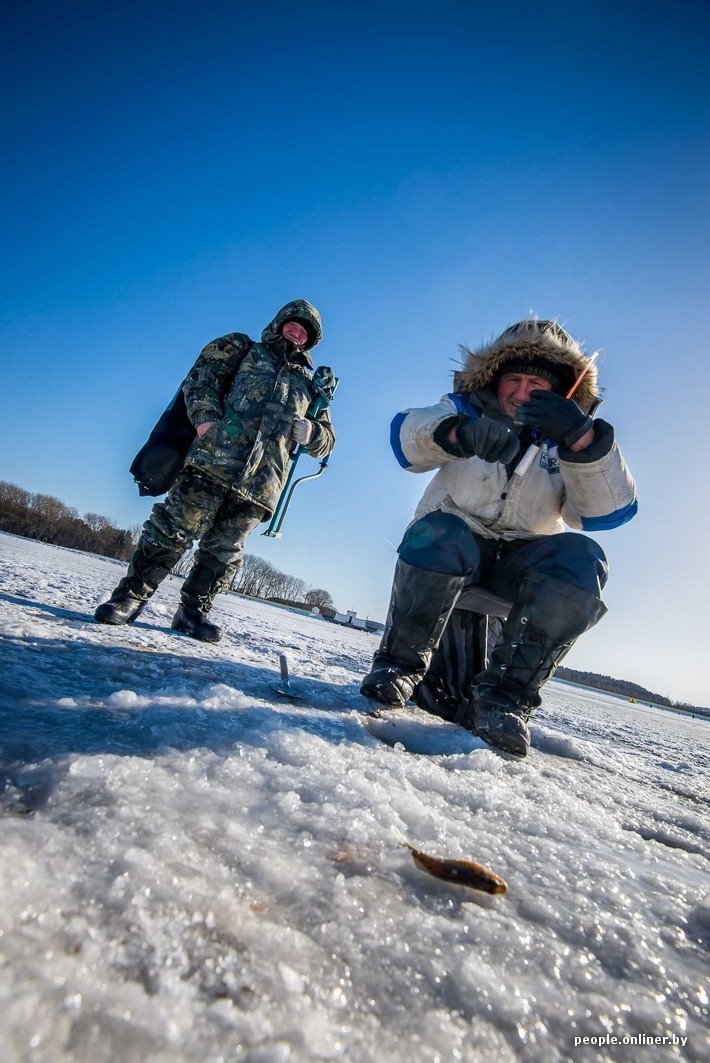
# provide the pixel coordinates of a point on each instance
(528, 339)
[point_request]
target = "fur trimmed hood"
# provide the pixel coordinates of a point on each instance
(529, 339)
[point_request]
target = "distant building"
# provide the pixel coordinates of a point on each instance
(351, 619)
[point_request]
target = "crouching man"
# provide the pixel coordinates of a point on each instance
(519, 461)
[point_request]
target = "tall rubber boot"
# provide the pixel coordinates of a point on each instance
(420, 606)
(543, 625)
(150, 563)
(207, 577)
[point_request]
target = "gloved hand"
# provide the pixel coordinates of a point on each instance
(485, 438)
(556, 417)
(302, 430)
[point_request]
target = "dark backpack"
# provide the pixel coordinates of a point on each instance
(156, 466)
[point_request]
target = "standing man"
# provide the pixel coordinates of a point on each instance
(248, 402)
(518, 459)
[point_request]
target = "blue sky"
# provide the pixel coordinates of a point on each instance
(425, 174)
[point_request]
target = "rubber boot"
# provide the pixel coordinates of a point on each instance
(420, 606)
(207, 577)
(192, 621)
(543, 625)
(147, 568)
(121, 608)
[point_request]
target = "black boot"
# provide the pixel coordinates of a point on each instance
(121, 608)
(193, 622)
(207, 577)
(148, 567)
(420, 606)
(543, 625)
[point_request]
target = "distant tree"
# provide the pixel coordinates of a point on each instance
(293, 588)
(51, 516)
(13, 498)
(273, 583)
(14, 509)
(96, 522)
(258, 578)
(183, 566)
(253, 576)
(613, 686)
(317, 596)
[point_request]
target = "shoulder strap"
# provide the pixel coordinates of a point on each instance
(241, 339)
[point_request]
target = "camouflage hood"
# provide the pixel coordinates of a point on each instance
(297, 310)
(529, 340)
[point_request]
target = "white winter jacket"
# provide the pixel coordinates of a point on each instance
(590, 491)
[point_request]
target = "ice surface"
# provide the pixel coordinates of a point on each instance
(194, 868)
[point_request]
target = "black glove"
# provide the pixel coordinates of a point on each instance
(485, 438)
(556, 417)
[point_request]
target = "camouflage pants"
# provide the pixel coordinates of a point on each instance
(196, 508)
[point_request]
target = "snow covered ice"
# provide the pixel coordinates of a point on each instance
(194, 868)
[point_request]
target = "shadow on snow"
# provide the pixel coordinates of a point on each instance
(57, 695)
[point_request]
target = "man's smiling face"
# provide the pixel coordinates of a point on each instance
(514, 389)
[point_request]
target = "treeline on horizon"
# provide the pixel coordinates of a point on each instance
(48, 519)
(258, 578)
(624, 688)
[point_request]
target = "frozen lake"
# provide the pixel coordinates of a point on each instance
(196, 869)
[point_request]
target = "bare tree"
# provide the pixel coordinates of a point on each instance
(253, 576)
(96, 522)
(12, 496)
(321, 598)
(272, 586)
(183, 566)
(260, 579)
(48, 512)
(293, 588)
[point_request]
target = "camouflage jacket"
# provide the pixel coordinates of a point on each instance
(252, 391)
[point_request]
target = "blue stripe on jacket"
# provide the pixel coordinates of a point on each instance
(395, 443)
(463, 406)
(610, 520)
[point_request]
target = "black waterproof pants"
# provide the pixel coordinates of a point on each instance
(442, 542)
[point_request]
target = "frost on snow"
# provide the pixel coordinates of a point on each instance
(194, 868)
